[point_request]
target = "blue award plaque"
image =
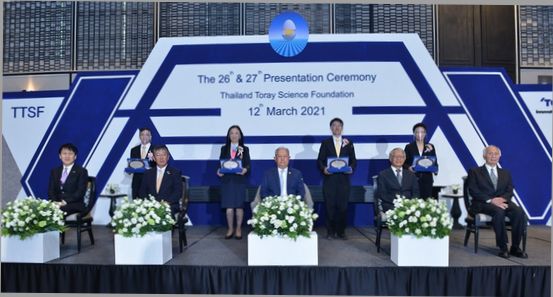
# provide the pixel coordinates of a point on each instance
(425, 164)
(231, 166)
(137, 165)
(337, 165)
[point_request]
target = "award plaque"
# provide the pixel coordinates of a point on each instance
(425, 164)
(137, 165)
(230, 166)
(336, 165)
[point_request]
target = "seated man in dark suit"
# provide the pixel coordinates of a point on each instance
(67, 183)
(162, 181)
(283, 180)
(396, 181)
(491, 189)
(143, 151)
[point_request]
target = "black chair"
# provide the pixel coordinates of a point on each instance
(379, 217)
(181, 217)
(83, 221)
(475, 221)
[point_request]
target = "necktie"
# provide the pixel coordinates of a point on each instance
(158, 180)
(233, 152)
(64, 176)
(143, 152)
(398, 175)
(337, 146)
(494, 178)
(283, 191)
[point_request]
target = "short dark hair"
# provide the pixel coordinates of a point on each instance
(336, 120)
(145, 129)
(68, 146)
(160, 147)
(419, 125)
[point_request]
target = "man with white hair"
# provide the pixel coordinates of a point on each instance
(491, 189)
(394, 181)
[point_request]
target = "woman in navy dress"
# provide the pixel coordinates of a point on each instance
(233, 185)
(420, 147)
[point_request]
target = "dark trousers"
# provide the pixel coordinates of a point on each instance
(136, 181)
(336, 190)
(426, 180)
(516, 216)
(73, 207)
(175, 209)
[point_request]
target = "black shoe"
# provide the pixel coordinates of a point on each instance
(238, 237)
(342, 236)
(518, 253)
(228, 236)
(504, 254)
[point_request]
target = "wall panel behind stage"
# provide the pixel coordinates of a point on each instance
(401, 86)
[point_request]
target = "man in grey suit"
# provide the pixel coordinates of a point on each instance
(394, 181)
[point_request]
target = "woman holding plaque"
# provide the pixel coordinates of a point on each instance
(416, 149)
(234, 165)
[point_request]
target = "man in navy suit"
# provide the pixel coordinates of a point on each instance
(336, 186)
(282, 180)
(67, 184)
(491, 189)
(162, 181)
(142, 151)
(395, 181)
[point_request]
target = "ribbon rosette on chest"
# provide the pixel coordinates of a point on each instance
(345, 142)
(240, 151)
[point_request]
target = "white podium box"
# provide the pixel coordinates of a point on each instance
(408, 250)
(278, 250)
(152, 248)
(39, 248)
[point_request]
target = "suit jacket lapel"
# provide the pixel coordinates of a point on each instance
(72, 173)
(500, 176)
(165, 173)
(277, 179)
(487, 175)
(288, 180)
(57, 174)
(416, 150)
(392, 176)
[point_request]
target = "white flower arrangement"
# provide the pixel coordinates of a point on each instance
(112, 188)
(287, 216)
(140, 216)
(29, 216)
(419, 217)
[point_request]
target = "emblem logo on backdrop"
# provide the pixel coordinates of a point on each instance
(547, 102)
(288, 34)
